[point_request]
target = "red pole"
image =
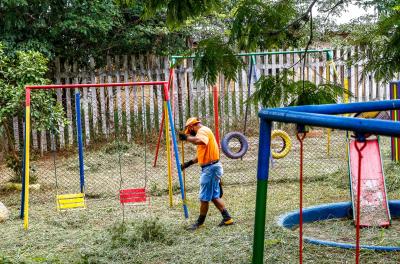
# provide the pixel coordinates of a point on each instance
(88, 85)
(171, 75)
(359, 150)
(171, 98)
(215, 96)
(159, 139)
(300, 139)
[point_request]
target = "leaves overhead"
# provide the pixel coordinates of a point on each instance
(263, 25)
(178, 11)
(382, 46)
(214, 56)
(256, 25)
(84, 29)
(282, 90)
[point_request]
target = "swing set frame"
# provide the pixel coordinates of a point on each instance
(252, 73)
(26, 161)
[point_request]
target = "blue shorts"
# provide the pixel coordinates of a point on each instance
(209, 182)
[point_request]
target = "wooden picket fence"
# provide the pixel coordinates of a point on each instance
(102, 108)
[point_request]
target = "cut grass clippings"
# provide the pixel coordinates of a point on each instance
(156, 233)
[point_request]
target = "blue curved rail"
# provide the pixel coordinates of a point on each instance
(333, 211)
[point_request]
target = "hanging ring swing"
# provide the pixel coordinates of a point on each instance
(286, 144)
(244, 145)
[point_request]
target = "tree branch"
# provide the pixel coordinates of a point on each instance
(303, 17)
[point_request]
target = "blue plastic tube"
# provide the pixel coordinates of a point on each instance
(337, 109)
(380, 127)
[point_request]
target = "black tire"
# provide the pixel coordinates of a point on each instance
(244, 145)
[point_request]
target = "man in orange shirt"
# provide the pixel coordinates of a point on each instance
(211, 170)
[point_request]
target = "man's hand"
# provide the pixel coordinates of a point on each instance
(187, 164)
(182, 136)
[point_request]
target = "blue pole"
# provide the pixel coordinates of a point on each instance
(79, 135)
(21, 213)
(262, 187)
(360, 125)
(337, 109)
(178, 163)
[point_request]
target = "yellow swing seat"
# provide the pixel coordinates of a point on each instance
(71, 201)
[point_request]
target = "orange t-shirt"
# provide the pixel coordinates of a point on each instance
(210, 151)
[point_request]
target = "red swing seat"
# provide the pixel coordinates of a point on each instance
(137, 195)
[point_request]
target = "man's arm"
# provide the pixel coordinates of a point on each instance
(195, 140)
(189, 163)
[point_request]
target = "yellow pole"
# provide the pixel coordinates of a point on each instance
(27, 146)
(346, 89)
(335, 73)
(167, 139)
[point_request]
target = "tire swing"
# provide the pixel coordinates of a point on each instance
(244, 145)
(287, 144)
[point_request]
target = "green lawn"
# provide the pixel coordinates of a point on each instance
(156, 233)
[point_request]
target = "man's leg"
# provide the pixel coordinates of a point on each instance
(219, 203)
(203, 208)
(202, 216)
(203, 213)
(226, 218)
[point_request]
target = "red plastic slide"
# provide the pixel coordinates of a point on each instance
(374, 203)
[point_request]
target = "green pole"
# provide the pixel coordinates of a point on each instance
(264, 152)
(329, 55)
(261, 53)
(259, 227)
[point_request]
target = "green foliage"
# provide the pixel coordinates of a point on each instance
(213, 57)
(14, 162)
(54, 27)
(27, 67)
(382, 6)
(178, 11)
(5, 260)
(84, 29)
(282, 90)
(263, 25)
(381, 43)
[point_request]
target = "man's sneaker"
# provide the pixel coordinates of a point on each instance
(194, 227)
(226, 222)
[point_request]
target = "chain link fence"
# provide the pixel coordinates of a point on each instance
(119, 161)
